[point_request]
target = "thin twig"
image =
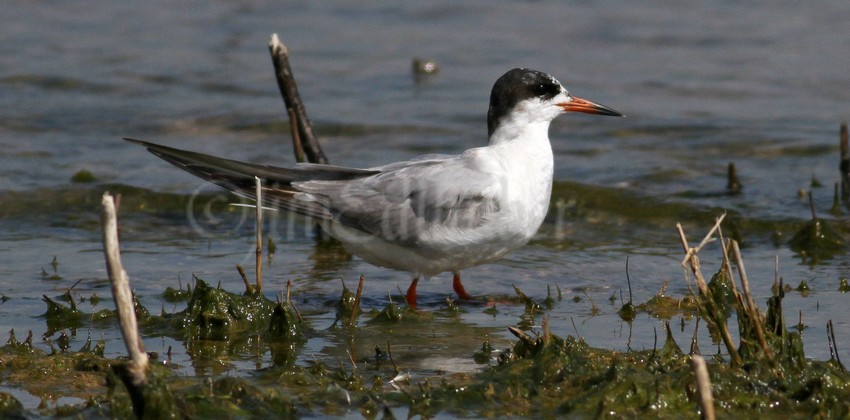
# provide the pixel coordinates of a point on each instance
(751, 304)
(833, 345)
(706, 401)
(693, 262)
(356, 307)
(727, 265)
(288, 287)
(289, 302)
(694, 343)
(248, 288)
(390, 354)
(708, 238)
(74, 285)
(259, 261)
(297, 312)
(628, 279)
(351, 359)
(576, 329)
(844, 163)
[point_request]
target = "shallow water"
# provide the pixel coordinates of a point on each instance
(764, 86)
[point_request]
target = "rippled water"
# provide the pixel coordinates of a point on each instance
(762, 85)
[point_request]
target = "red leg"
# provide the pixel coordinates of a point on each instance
(458, 286)
(411, 293)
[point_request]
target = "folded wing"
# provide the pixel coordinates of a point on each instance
(402, 202)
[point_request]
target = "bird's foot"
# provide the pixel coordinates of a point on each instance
(458, 286)
(411, 294)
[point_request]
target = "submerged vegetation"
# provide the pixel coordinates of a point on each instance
(763, 370)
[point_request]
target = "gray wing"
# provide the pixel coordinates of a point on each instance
(399, 202)
(407, 200)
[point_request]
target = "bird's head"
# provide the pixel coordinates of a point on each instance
(526, 96)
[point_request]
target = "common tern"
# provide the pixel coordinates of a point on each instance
(433, 213)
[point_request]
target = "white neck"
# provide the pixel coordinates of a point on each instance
(523, 131)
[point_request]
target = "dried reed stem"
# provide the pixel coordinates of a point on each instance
(122, 294)
(259, 253)
(356, 307)
(706, 401)
(844, 163)
(692, 261)
(134, 373)
(752, 309)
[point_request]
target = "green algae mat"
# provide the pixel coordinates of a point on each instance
(762, 370)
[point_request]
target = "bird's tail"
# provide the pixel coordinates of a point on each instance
(278, 188)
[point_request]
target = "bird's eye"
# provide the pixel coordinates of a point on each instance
(545, 89)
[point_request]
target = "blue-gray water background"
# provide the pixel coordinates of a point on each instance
(761, 84)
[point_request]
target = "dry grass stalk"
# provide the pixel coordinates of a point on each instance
(751, 307)
(259, 253)
(357, 296)
(727, 265)
(712, 312)
(833, 346)
(844, 163)
(706, 401)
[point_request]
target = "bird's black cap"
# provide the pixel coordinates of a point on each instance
(516, 86)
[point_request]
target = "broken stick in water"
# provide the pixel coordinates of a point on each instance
(294, 106)
(134, 373)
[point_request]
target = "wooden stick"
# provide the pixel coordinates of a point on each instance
(706, 401)
(292, 100)
(121, 292)
(134, 373)
(248, 288)
(259, 260)
(296, 137)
